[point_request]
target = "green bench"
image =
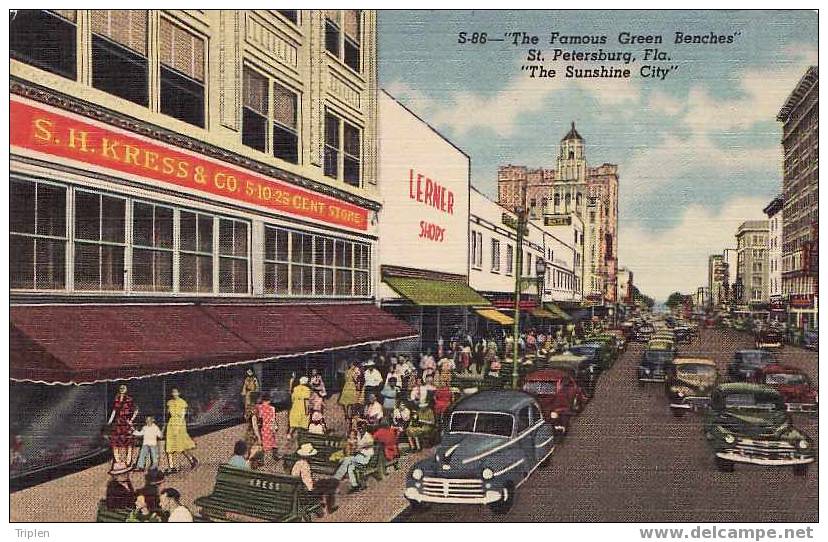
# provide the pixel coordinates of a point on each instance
(327, 445)
(246, 495)
(105, 515)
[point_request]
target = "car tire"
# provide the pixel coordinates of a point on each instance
(419, 506)
(724, 465)
(503, 507)
(800, 470)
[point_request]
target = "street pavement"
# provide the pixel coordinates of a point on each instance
(627, 459)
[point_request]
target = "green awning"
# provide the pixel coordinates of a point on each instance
(435, 293)
(558, 313)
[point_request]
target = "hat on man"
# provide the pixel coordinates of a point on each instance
(307, 450)
(369, 363)
(119, 468)
(303, 380)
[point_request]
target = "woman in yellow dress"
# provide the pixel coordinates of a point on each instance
(298, 417)
(177, 440)
(349, 395)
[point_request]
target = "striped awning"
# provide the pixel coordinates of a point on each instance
(496, 316)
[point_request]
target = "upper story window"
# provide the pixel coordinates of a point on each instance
(261, 112)
(343, 36)
(495, 255)
(46, 39)
(291, 15)
(182, 73)
(510, 259)
(343, 150)
(120, 64)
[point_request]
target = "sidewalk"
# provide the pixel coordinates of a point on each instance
(74, 498)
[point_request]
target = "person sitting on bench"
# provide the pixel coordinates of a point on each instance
(325, 488)
(364, 451)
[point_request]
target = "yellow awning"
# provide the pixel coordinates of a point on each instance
(495, 316)
(543, 313)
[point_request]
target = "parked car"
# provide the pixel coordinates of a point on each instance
(609, 341)
(620, 338)
(643, 332)
(810, 339)
(654, 365)
(601, 354)
(583, 364)
(558, 393)
(683, 334)
(768, 338)
(746, 362)
(690, 381)
(607, 350)
(792, 384)
(493, 442)
(747, 423)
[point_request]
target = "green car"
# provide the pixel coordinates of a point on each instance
(610, 346)
(747, 423)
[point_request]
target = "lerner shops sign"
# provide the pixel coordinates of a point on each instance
(45, 131)
(424, 182)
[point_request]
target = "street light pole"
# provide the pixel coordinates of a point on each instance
(521, 224)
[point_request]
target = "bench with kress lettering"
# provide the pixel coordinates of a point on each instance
(327, 445)
(247, 496)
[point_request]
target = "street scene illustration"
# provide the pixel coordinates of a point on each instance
(413, 266)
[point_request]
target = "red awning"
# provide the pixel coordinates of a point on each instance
(90, 343)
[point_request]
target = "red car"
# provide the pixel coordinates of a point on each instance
(794, 386)
(558, 394)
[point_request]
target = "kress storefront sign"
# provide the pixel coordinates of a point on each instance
(48, 132)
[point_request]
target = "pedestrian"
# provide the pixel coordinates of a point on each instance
(317, 385)
(249, 391)
(388, 436)
(120, 495)
(239, 459)
(401, 416)
(171, 503)
(421, 428)
(265, 426)
(325, 487)
(348, 396)
(427, 363)
(373, 379)
(150, 434)
(445, 366)
(317, 425)
(442, 400)
(389, 396)
(142, 513)
(177, 439)
(121, 427)
(298, 417)
(251, 434)
(373, 411)
(421, 394)
(361, 455)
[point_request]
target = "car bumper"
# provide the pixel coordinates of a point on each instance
(801, 407)
(490, 496)
(780, 462)
(769, 346)
(690, 403)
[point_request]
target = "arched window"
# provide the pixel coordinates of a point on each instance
(557, 200)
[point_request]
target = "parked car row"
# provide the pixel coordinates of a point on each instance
(493, 440)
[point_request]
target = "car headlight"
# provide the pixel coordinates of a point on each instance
(417, 474)
(645, 370)
(730, 439)
(553, 415)
(803, 444)
(488, 474)
(680, 393)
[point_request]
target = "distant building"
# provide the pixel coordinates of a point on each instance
(774, 212)
(800, 191)
(752, 262)
(573, 186)
(717, 285)
(625, 286)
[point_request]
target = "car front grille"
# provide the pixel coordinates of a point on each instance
(768, 449)
(456, 488)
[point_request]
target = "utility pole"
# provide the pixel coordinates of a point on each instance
(521, 225)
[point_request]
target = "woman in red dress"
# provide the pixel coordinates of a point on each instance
(120, 421)
(265, 425)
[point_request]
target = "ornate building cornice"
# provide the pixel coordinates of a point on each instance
(74, 105)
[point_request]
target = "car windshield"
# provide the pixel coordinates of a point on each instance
(657, 357)
(696, 369)
(582, 350)
(785, 379)
(541, 387)
(487, 423)
(756, 359)
(750, 401)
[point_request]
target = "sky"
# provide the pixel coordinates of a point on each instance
(698, 152)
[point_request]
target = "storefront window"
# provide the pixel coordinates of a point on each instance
(37, 245)
(152, 252)
(233, 256)
(196, 257)
(120, 65)
(99, 242)
(277, 266)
